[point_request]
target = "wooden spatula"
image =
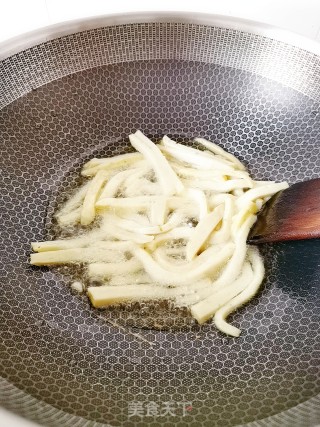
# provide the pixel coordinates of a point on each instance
(291, 214)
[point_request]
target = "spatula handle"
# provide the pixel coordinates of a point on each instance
(292, 214)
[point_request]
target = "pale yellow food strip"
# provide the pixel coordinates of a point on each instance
(202, 231)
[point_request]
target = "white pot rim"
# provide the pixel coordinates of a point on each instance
(25, 41)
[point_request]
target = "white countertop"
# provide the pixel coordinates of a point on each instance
(20, 16)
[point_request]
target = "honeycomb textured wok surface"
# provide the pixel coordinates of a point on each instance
(94, 363)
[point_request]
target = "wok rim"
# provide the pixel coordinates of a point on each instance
(44, 34)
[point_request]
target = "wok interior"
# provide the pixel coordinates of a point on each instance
(93, 363)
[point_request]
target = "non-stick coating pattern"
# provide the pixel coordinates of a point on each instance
(56, 348)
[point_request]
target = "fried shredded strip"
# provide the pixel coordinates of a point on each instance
(168, 221)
